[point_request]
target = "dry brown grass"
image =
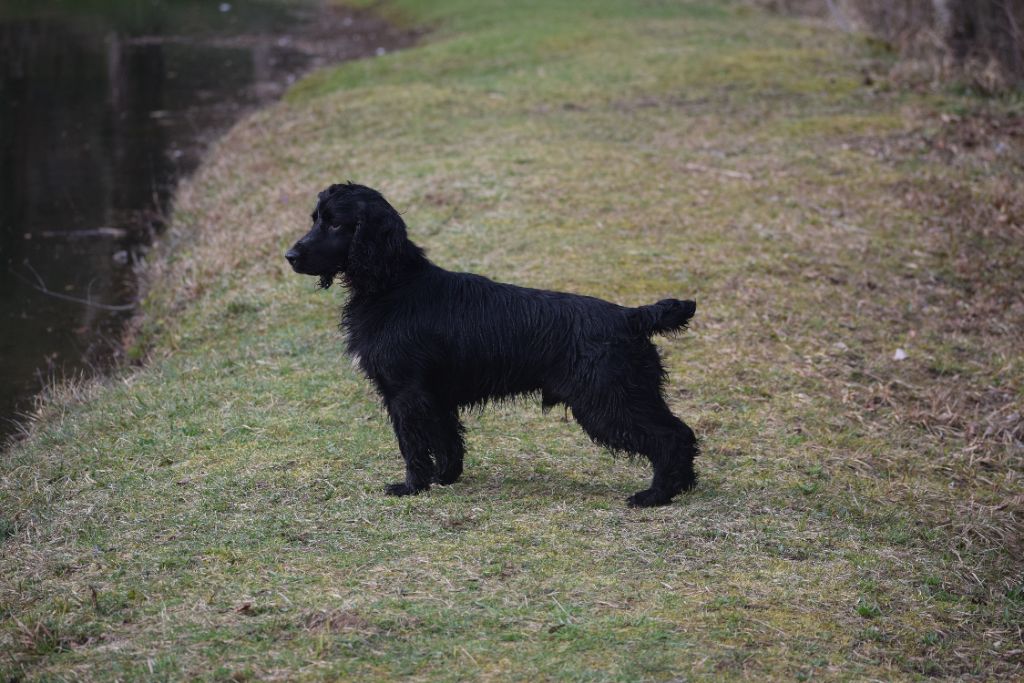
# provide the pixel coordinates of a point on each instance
(964, 289)
(978, 41)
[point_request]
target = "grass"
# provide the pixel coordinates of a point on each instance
(216, 513)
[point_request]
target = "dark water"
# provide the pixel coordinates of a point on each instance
(104, 104)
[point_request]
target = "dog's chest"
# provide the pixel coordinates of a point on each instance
(367, 349)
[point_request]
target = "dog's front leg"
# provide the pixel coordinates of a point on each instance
(412, 418)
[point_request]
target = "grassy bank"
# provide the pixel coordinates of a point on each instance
(217, 513)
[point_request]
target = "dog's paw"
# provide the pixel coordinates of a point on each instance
(402, 489)
(648, 498)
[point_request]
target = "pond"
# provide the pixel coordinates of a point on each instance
(104, 105)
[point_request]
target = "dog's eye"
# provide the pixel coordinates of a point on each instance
(334, 228)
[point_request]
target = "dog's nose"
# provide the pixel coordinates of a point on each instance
(292, 256)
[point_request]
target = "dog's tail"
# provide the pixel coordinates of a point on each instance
(668, 315)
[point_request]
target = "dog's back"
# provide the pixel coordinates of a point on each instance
(474, 339)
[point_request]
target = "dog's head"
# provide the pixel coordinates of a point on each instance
(355, 233)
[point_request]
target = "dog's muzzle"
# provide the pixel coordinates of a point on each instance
(293, 258)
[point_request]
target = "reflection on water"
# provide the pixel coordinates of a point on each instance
(103, 104)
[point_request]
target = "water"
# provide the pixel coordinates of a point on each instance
(104, 104)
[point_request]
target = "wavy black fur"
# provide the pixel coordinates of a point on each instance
(434, 341)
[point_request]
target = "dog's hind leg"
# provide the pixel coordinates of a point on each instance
(414, 418)
(671, 447)
(646, 427)
(448, 448)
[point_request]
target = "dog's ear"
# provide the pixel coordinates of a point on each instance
(378, 243)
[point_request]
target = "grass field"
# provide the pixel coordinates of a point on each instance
(216, 513)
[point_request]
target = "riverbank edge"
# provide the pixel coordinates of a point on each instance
(137, 343)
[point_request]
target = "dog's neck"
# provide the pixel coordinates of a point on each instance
(401, 265)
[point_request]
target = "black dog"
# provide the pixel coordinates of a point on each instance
(434, 341)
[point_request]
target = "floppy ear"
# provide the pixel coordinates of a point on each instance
(377, 244)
